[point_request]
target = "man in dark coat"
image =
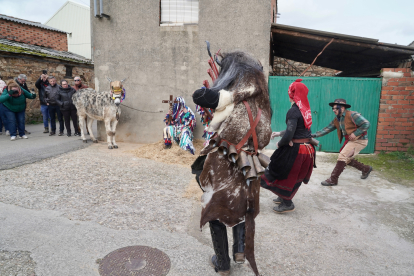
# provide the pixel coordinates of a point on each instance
(54, 108)
(41, 85)
(68, 109)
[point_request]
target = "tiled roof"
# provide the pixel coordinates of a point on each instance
(31, 23)
(23, 48)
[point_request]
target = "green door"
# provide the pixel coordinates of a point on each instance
(363, 94)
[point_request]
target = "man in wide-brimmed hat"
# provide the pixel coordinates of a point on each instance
(352, 126)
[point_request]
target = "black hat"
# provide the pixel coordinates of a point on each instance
(341, 102)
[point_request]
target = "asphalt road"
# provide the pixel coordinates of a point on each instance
(39, 146)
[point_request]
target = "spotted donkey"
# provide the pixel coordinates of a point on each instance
(101, 106)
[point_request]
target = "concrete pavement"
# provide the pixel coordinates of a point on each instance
(39, 146)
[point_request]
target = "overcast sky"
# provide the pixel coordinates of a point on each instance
(388, 21)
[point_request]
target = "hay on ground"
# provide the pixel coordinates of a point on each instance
(175, 155)
(193, 191)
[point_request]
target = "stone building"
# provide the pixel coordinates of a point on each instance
(287, 67)
(28, 47)
(168, 56)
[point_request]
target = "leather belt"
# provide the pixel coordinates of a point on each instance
(301, 141)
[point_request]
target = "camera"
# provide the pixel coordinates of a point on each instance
(44, 72)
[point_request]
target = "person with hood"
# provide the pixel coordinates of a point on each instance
(68, 109)
(14, 100)
(41, 85)
(51, 93)
(292, 163)
(180, 124)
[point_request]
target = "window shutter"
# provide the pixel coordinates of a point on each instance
(179, 12)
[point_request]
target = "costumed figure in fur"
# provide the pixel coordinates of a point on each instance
(180, 122)
(292, 163)
(228, 168)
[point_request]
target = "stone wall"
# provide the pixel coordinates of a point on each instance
(11, 67)
(33, 35)
(286, 67)
(396, 115)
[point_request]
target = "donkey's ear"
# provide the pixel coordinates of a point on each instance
(109, 79)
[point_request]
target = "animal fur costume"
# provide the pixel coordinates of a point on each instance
(225, 197)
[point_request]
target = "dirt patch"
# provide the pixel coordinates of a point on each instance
(175, 155)
(193, 191)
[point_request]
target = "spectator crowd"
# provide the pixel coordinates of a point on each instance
(55, 103)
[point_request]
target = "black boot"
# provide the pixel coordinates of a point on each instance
(239, 235)
(220, 261)
(278, 200)
(284, 207)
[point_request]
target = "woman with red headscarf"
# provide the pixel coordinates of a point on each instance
(293, 161)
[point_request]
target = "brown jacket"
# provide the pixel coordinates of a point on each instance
(350, 126)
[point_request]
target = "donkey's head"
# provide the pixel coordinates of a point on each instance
(117, 91)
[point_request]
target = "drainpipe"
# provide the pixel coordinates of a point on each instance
(95, 7)
(101, 10)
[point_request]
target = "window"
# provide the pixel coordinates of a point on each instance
(179, 12)
(68, 71)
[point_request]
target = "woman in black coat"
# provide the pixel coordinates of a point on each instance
(68, 109)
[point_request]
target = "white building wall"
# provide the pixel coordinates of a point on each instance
(74, 18)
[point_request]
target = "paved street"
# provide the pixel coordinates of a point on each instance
(61, 215)
(39, 146)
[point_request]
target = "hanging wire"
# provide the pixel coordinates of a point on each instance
(142, 110)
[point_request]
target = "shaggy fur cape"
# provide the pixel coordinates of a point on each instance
(226, 193)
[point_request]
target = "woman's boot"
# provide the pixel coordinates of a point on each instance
(239, 235)
(220, 261)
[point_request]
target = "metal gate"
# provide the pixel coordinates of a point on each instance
(363, 94)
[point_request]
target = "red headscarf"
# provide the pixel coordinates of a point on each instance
(299, 93)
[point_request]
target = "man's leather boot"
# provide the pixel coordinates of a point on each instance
(46, 130)
(333, 180)
(220, 261)
(239, 236)
(365, 169)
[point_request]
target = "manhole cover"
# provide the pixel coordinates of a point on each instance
(135, 261)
